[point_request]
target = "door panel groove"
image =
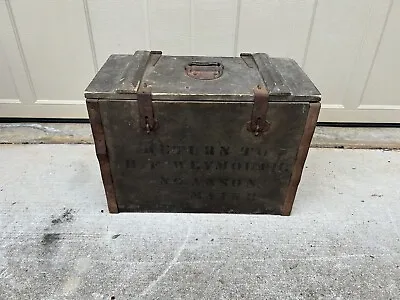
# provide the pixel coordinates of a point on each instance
(389, 10)
(237, 24)
(309, 33)
(22, 55)
(90, 32)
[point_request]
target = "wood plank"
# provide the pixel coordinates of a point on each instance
(279, 28)
(344, 39)
(55, 41)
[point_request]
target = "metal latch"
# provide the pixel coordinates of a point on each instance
(258, 122)
(146, 112)
(147, 120)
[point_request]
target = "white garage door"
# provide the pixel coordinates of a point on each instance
(50, 49)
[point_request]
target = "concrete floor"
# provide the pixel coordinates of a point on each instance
(58, 241)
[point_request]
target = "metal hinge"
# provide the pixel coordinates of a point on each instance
(258, 122)
(146, 112)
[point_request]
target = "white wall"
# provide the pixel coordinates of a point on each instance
(50, 49)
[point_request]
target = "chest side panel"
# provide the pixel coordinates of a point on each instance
(202, 158)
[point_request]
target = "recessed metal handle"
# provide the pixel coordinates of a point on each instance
(204, 70)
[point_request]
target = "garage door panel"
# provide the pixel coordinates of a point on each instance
(15, 84)
(344, 39)
(55, 42)
(118, 27)
(8, 91)
(383, 84)
(51, 49)
(279, 28)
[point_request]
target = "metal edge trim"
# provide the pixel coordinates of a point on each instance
(101, 153)
(302, 152)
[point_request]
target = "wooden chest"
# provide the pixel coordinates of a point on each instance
(201, 134)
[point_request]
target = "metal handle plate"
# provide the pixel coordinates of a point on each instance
(204, 70)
